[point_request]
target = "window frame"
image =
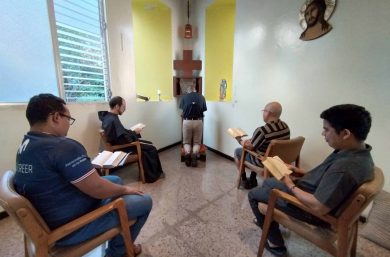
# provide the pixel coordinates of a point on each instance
(57, 57)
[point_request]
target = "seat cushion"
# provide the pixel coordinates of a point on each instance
(378, 222)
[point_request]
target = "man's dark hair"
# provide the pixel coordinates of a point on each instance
(41, 106)
(115, 100)
(353, 117)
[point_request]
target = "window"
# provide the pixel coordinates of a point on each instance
(81, 44)
(73, 67)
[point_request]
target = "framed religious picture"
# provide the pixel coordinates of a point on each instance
(183, 86)
(187, 85)
(314, 16)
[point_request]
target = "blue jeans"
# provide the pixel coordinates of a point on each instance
(138, 207)
(262, 193)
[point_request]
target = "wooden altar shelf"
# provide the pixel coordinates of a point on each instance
(177, 88)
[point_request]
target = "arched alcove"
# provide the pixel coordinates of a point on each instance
(219, 47)
(152, 25)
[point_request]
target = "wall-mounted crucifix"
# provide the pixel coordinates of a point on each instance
(185, 68)
(187, 65)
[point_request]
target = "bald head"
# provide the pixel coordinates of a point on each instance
(272, 111)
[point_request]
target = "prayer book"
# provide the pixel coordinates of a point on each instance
(276, 166)
(138, 125)
(107, 159)
(236, 132)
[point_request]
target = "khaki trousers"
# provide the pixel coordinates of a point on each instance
(192, 133)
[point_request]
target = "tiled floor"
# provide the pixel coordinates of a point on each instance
(197, 212)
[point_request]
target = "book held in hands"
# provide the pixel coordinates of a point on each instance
(107, 159)
(276, 166)
(236, 132)
(139, 126)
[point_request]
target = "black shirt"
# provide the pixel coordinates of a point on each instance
(193, 105)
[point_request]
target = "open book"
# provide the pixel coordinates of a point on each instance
(237, 132)
(107, 159)
(138, 125)
(276, 167)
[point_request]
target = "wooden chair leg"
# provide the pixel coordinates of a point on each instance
(26, 251)
(342, 244)
(354, 242)
(141, 171)
(242, 168)
(265, 229)
(140, 165)
(129, 246)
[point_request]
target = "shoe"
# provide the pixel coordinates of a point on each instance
(249, 184)
(187, 159)
(194, 160)
(253, 182)
(244, 184)
(256, 222)
(280, 251)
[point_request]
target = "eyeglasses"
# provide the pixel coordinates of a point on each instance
(71, 120)
(266, 111)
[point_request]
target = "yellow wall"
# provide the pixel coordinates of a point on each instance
(152, 48)
(220, 19)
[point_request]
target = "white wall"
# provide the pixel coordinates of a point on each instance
(351, 64)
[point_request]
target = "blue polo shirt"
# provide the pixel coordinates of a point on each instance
(47, 167)
(193, 105)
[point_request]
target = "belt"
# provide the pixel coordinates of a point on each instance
(192, 118)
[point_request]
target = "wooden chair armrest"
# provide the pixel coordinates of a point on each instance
(296, 175)
(255, 154)
(275, 194)
(118, 147)
(72, 226)
(250, 152)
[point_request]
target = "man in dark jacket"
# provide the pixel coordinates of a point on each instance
(117, 134)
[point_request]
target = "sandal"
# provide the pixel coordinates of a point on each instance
(137, 249)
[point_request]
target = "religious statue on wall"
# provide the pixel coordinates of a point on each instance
(314, 16)
(222, 89)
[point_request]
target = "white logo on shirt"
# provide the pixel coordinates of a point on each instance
(23, 146)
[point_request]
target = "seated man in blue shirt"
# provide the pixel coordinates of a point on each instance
(326, 187)
(61, 182)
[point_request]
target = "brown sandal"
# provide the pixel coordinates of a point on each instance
(137, 249)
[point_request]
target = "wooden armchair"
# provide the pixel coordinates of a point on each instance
(39, 240)
(134, 157)
(288, 150)
(340, 240)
